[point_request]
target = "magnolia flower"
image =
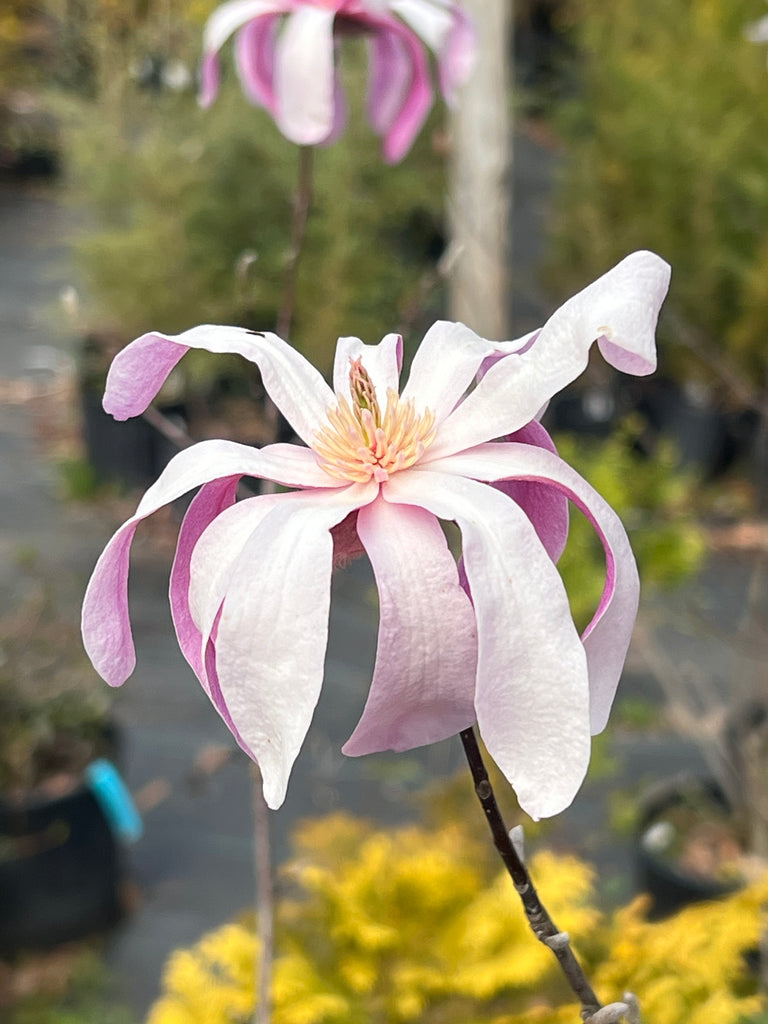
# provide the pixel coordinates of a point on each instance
(291, 70)
(491, 641)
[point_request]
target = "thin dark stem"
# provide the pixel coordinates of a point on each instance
(302, 200)
(541, 923)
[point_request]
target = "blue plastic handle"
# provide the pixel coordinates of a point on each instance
(112, 795)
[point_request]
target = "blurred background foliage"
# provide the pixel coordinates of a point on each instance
(663, 147)
(656, 500)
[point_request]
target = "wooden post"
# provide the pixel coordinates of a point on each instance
(480, 201)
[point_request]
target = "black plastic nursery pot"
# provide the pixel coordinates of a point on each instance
(59, 870)
(670, 884)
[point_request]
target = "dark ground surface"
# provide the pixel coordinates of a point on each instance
(193, 868)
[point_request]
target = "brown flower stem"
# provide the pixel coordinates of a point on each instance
(264, 903)
(171, 431)
(302, 200)
(541, 923)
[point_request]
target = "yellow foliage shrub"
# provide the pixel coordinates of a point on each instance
(409, 925)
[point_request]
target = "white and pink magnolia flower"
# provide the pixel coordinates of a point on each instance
(493, 642)
(291, 69)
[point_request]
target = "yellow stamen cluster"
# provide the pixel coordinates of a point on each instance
(360, 444)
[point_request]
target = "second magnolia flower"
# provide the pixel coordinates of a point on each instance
(496, 643)
(287, 58)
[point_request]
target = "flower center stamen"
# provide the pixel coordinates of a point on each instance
(361, 443)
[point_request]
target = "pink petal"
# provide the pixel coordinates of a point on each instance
(388, 81)
(447, 31)
(216, 696)
(507, 348)
(382, 361)
(619, 310)
(532, 695)
(105, 619)
(272, 636)
(424, 680)
(210, 79)
(211, 501)
(417, 102)
(255, 58)
(545, 506)
(607, 637)
(340, 113)
(226, 19)
(229, 17)
(216, 553)
(304, 75)
(213, 561)
(106, 625)
(444, 366)
(208, 503)
(296, 387)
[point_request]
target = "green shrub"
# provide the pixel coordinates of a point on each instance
(656, 501)
(664, 149)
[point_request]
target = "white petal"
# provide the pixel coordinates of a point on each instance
(382, 361)
(619, 311)
(285, 464)
(137, 372)
(424, 680)
(607, 637)
(304, 75)
(430, 21)
(272, 635)
(217, 552)
(444, 366)
(532, 696)
(229, 17)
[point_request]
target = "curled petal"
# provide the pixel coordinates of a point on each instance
(444, 366)
(138, 372)
(431, 21)
(216, 554)
(619, 311)
(532, 693)
(304, 75)
(406, 124)
(382, 362)
(607, 637)
(255, 58)
(448, 32)
(389, 78)
(229, 17)
(210, 79)
(272, 635)
(105, 620)
(340, 113)
(212, 564)
(545, 506)
(424, 678)
(208, 503)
